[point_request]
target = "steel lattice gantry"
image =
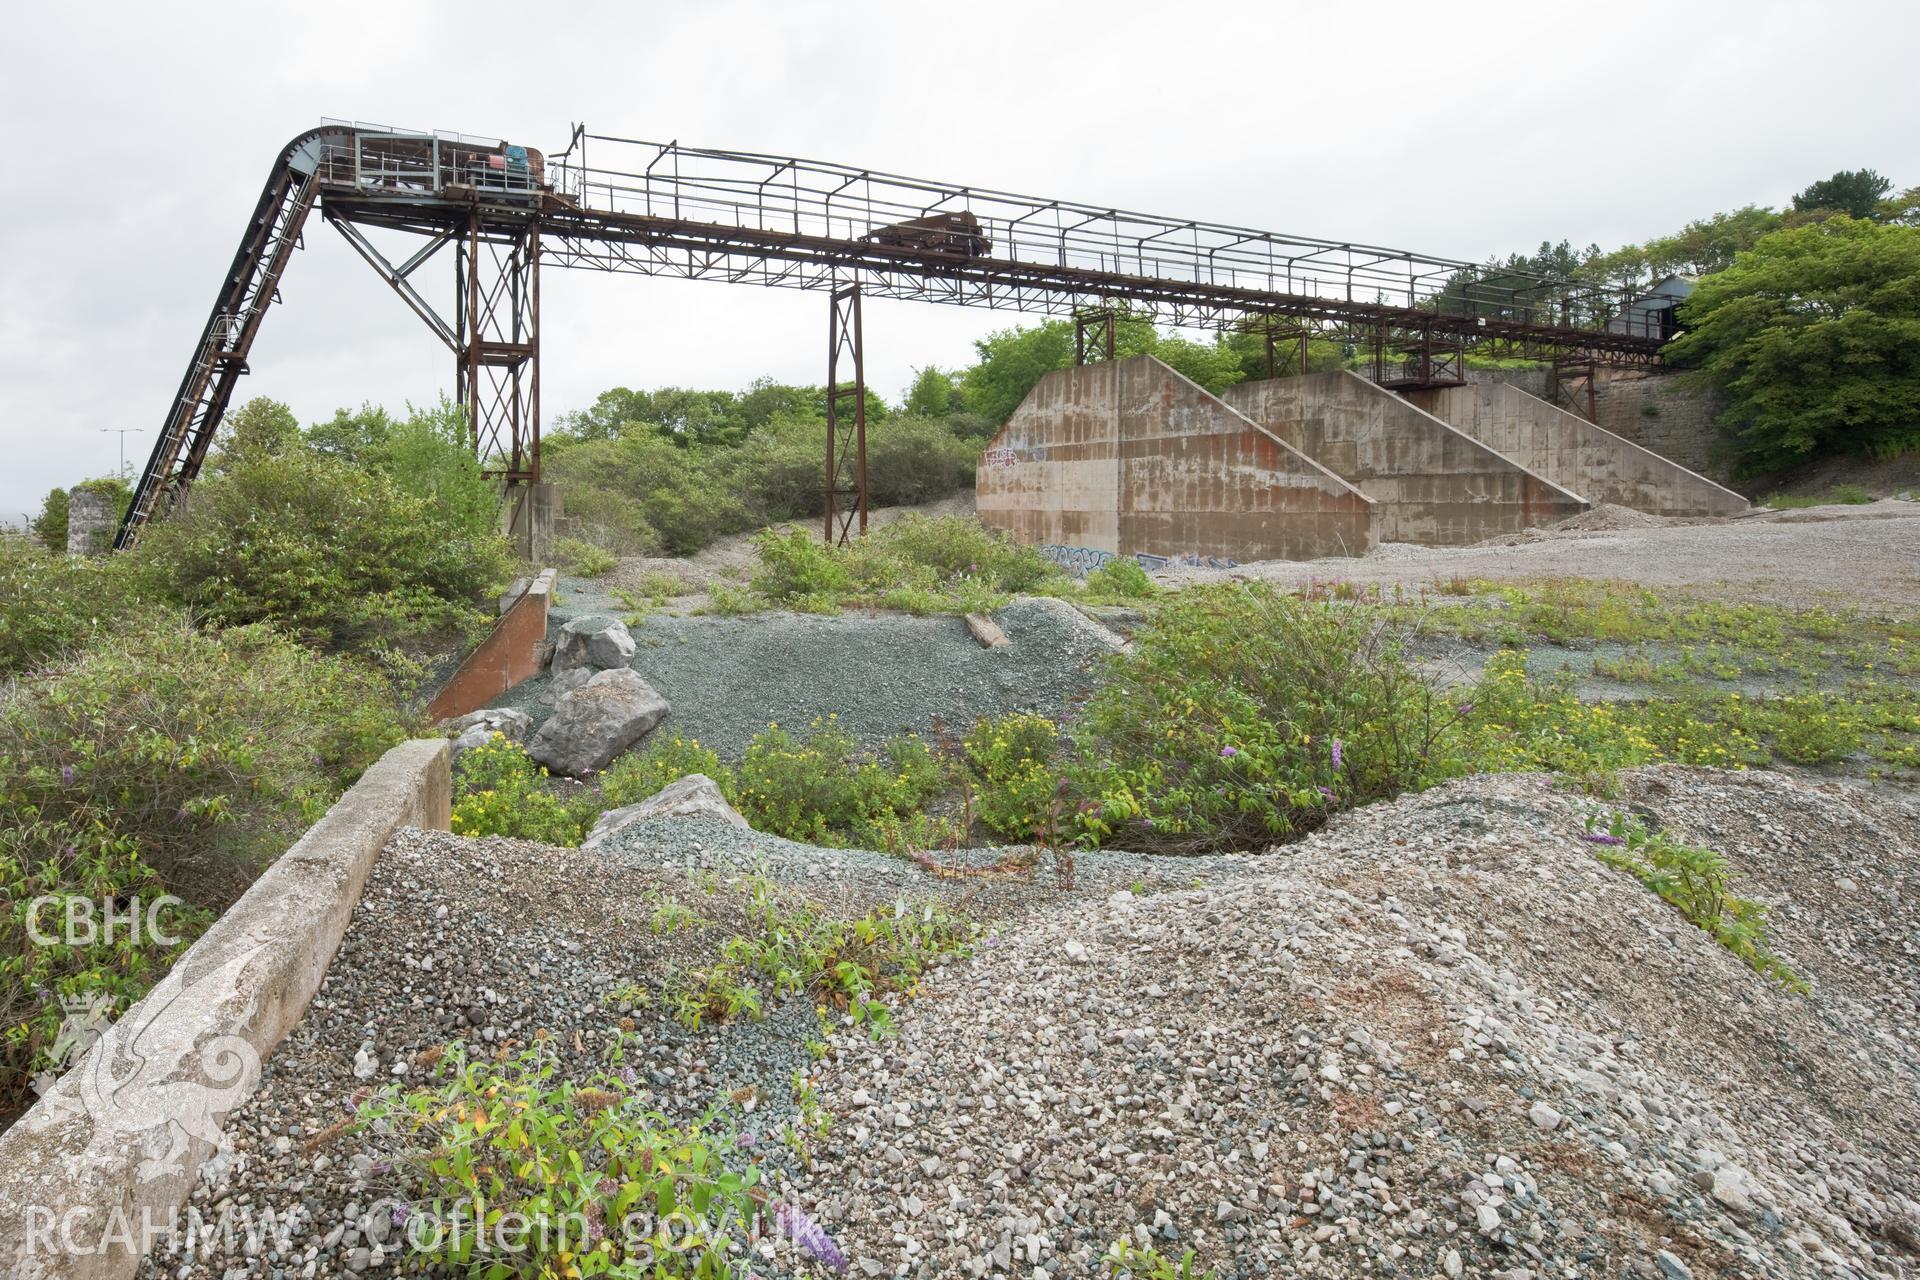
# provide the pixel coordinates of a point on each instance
(609, 204)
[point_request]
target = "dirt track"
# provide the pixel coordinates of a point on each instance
(1864, 556)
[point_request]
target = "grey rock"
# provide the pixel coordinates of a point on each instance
(695, 795)
(1670, 1267)
(596, 722)
(596, 642)
(515, 724)
(1544, 1116)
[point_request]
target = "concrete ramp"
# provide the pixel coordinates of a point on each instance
(1130, 458)
(1574, 453)
(1432, 484)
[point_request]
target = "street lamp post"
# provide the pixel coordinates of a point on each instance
(122, 432)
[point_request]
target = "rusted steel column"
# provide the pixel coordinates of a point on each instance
(846, 490)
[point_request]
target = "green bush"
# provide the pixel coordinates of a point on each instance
(499, 790)
(918, 564)
(664, 761)
(1241, 714)
(1012, 759)
(800, 788)
(582, 1164)
(343, 556)
(212, 751)
(582, 559)
(44, 863)
(1122, 579)
(51, 604)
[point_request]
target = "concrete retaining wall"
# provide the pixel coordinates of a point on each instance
(111, 1151)
(1131, 458)
(510, 653)
(1432, 484)
(1575, 454)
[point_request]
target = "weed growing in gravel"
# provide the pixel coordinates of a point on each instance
(1695, 880)
(726, 599)
(812, 788)
(843, 964)
(501, 791)
(1127, 1261)
(517, 1171)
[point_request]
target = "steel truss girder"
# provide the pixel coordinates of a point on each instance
(497, 344)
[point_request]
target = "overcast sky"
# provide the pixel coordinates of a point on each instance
(138, 136)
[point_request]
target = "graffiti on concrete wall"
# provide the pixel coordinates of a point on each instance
(1000, 457)
(1081, 561)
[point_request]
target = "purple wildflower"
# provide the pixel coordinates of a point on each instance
(1228, 753)
(746, 1139)
(401, 1212)
(1601, 837)
(1326, 793)
(629, 1076)
(1147, 823)
(809, 1235)
(66, 775)
(1466, 708)
(1336, 754)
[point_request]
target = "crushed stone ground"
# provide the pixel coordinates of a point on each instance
(1437, 1038)
(1864, 556)
(727, 678)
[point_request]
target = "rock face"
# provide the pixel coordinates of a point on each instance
(595, 642)
(596, 722)
(474, 728)
(694, 796)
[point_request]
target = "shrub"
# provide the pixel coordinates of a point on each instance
(51, 604)
(664, 761)
(800, 788)
(583, 559)
(501, 791)
(1695, 880)
(797, 567)
(1241, 715)
(80, 856)
(918, 564)
(50, 526)
(582, 1164)
(343, 556)
(1122, 578)
(211, 751)
(1012, 761)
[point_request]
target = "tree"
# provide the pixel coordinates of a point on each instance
(262, 426)
(1814, 336)
(1902, 210)
(50, 526)
(1709, 244)
(934, 394)
(1853, 192)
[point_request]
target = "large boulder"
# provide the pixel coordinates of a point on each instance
(694, 796)
(596, 722)
(593, 643)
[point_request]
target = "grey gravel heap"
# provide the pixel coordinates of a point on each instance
(1439, 1038)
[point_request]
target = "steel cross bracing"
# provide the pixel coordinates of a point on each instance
(619, 205)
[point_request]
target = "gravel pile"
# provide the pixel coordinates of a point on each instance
(1438, 1038)
(728, 677)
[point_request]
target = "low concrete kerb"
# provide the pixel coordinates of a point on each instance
(103, 1162)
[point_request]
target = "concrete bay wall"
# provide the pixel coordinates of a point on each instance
(107, 1157)
(1131, 458)
(1431, 484)
(1574, 453)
